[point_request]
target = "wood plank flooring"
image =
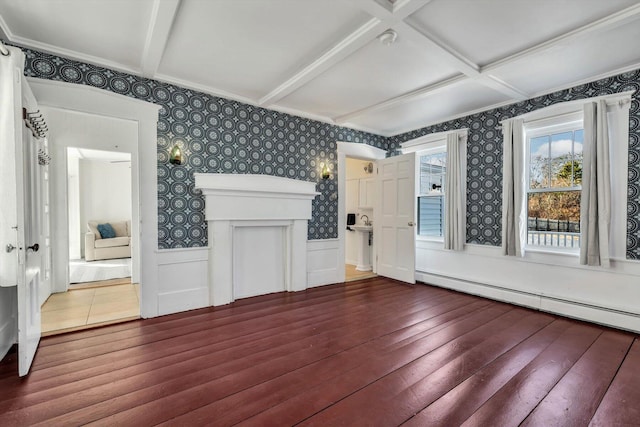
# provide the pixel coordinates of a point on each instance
(373, 352)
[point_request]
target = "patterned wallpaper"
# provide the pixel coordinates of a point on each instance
(484, 157)
(217, 135)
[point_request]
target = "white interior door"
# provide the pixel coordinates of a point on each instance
(31, 283)
(395, 223)
(22, 213)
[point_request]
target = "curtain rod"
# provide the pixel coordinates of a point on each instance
(3, 49)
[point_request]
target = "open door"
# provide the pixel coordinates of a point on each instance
(395, 218)
(22, 211)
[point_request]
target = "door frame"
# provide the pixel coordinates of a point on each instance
(357, 151)
(87, 99)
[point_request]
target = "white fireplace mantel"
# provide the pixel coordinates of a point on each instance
(257, 234)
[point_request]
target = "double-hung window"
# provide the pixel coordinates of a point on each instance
(431, 196)
(554, 182)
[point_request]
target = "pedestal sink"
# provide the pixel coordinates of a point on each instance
(364, 254)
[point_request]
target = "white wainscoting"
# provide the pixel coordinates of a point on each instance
(549, 282)
(182, 279)
(323, 265)
(182, 274)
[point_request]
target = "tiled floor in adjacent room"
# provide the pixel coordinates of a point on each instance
(82, 308)
(352, 274)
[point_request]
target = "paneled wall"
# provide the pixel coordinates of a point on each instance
(484, 157)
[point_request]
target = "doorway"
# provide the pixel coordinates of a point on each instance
(98, 208)
(359, 199)
(350, 200)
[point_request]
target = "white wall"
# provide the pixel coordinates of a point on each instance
(76, 245)
(548, 282)
(105, 192)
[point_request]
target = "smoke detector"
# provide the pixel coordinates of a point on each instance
(388, 37)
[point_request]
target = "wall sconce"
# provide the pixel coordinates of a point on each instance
(175, 156)
(326, 173)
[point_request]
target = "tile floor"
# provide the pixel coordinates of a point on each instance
(80, 308)
(352, 274)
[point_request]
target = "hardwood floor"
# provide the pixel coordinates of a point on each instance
(371, 352)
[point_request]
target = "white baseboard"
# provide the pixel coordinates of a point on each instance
(573, 309)
(182, 300)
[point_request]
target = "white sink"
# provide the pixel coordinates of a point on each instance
(364, 253)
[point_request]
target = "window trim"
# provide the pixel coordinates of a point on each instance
(567, 122)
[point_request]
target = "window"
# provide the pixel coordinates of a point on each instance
(431, 196)
(554, 183)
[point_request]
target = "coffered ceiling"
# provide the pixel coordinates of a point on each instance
(321, 58)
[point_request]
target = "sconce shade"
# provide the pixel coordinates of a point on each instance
(175, 157)
(326, 173)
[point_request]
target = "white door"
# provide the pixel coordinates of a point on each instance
(395, 218)
(21, 219)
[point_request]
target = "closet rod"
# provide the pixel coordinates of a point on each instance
(3, 49)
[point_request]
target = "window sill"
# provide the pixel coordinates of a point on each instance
(574, 253)
(420, 238)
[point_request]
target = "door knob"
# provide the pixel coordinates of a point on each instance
(10, 247)
(34, 247)
(411, 223)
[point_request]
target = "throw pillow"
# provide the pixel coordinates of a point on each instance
(106, 231)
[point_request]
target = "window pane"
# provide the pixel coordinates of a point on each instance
(430, 216)
(578, 140)
(554, 219)
(562, 159)
(539, 162)
(432, 169)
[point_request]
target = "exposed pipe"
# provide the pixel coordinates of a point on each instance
(3, 49)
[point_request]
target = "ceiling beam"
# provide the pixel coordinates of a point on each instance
(616, 19)
(382, 19)
(337, 53)
(483, 75)
(409, 96)
(446, 53)
(163, 14)
(503, 87)
(404, 8)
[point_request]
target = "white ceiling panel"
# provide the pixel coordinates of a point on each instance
(575, 60)
(371, 75)
(247, 47)
(488, 30)
(320, 58)
(114, 31)
(460, 99)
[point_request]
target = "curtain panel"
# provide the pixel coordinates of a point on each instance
(455, 193)
(514, 224)
(595, 205)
